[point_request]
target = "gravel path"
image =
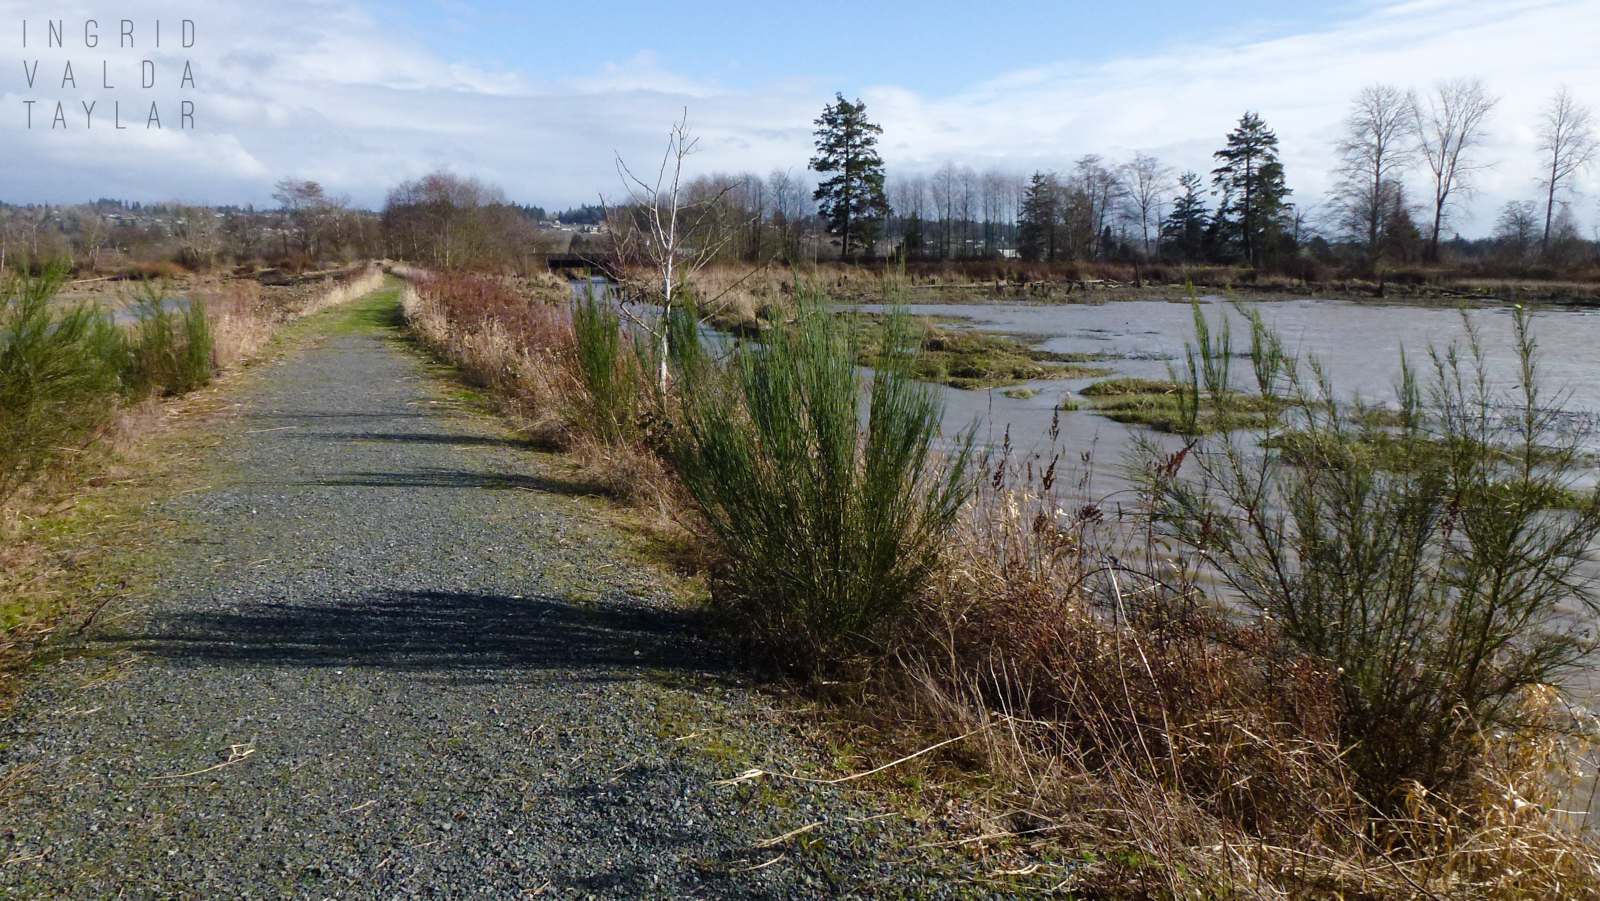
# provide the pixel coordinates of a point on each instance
(393, 656)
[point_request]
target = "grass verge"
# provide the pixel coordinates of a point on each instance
(77, 545)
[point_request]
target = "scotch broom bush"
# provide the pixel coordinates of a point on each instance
(829, 526)
(58, 378)
(605, 369)
(1434, 563)
(170, 352)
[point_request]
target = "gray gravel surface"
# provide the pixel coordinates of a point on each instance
(393, 656)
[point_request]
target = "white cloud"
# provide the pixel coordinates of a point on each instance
(1179, 102)
(325, 89)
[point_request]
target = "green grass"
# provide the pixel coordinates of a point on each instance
(375, 313)
(974, 360)
(1158, 405)
(1123, 387)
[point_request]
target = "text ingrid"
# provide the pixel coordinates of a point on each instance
(116, 72)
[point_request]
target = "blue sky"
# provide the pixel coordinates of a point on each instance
(542, 98)
(936, 47)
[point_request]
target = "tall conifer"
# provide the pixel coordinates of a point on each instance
(1255, 206)
(852, 201)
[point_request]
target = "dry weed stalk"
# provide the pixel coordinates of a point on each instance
(358, 283)
(1142, 743)
(520, 350)
(244, 320)
(516, 339)
(1167, 750)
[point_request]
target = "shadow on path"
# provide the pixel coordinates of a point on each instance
(448, 440)
(433, 631)
(431, 477)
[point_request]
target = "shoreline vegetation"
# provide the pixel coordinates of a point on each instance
(1057, 665)
(1095, 282)
(1055, 673)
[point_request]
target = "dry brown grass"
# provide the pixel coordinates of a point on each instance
(520, 349)
(244, 316)
(1154, 749)
(341, 288)
(742, 299)
(240, 327)
(514, 337)
(1106, 726)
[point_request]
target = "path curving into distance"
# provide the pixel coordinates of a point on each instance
(392, 654)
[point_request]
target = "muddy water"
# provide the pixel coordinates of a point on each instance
(1359, 344)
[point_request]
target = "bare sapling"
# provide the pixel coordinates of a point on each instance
(665, 235)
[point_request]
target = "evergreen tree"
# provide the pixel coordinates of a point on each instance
(852, 201)
(911, 244)
(1254, 196)
(1038, 222)
(1186, 226)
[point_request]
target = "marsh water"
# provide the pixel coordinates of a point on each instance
(1358, 343)
(130, 313)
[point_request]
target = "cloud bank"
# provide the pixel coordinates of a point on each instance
(327, 90)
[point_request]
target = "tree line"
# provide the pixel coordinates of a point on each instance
(1406, 162)
(441, 219)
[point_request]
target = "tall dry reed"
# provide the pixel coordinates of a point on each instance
(1191, 754)
(520, 349)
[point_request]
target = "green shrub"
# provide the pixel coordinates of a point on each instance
(829, 525)
(58, 378)
(169, 353)
(1432, 557)
(608, 376)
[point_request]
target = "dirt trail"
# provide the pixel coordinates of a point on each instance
(391, 654)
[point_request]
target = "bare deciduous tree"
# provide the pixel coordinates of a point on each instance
(1373, 153)
(1516, 228)
(788, 210)
(1566, 137)
(311, 212)
(1446, 129)
(198, 234)
(946, 190)
(241, 230)
(1147, 184)
(665, 233)
(89, 234)
(966, 205)
(1093, 192)
(451, 222)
